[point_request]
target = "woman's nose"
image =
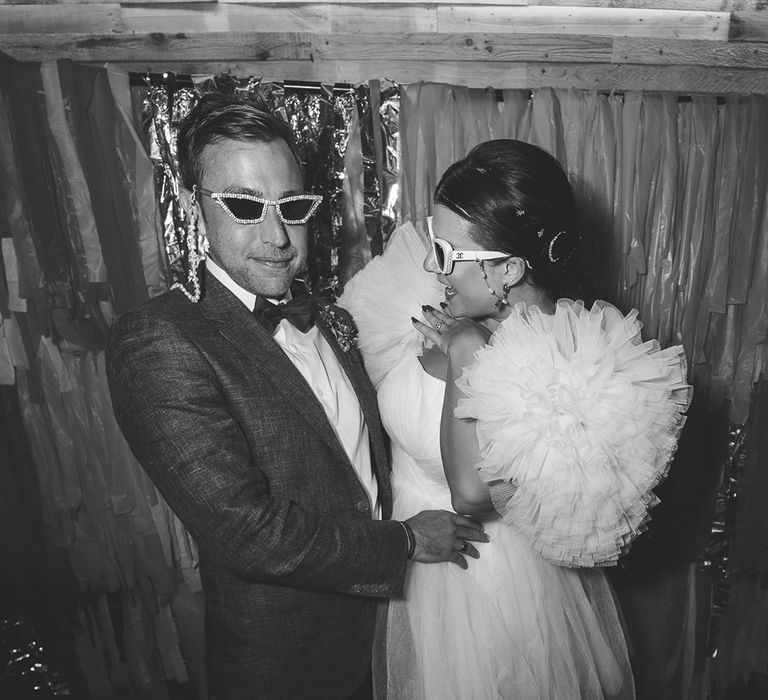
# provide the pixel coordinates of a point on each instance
(430, 264)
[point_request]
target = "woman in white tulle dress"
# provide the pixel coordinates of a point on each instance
(548, 420)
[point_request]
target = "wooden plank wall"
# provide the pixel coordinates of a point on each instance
(697, 46)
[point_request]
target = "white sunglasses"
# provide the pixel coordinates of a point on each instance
(250, 209)
(446, 255)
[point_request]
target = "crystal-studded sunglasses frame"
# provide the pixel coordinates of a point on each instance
(219, 198)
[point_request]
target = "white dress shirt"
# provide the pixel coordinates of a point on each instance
(314, 358)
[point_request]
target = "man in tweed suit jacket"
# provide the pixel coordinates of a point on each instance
(268, 448)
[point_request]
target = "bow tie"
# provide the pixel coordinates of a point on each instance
(299, 311)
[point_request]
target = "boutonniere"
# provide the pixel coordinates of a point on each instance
(341, 324)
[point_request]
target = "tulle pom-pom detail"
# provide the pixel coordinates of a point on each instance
(578, 420)
(383, 297)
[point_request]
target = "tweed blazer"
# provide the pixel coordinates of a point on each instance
(292, 562)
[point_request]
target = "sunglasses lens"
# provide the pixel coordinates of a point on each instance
(245, 209)
(297, 210)
(439, 256)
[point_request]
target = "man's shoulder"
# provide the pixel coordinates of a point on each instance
(171, 305)
(163, 316)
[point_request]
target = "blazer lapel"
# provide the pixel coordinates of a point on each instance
(237, 325)
(366, 395)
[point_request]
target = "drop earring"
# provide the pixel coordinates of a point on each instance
(500, 300)
(197, 251)
(504, 294)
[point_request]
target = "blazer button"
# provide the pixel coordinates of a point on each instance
(363, 507)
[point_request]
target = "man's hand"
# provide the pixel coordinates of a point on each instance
(444, 536)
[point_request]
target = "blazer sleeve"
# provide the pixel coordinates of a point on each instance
(172, 410)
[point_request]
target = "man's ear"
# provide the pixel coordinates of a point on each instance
(514, 272)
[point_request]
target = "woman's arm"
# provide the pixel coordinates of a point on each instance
(459, 446)
(459, 339)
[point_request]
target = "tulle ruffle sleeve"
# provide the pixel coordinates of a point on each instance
(577, 420)
(384, 295)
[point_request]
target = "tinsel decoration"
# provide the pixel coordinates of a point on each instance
(27, 670)
(388, 114)
(319, 116)
(378, 108)
(161, 105)
(714, 560)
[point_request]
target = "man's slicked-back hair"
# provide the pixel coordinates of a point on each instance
(217, 116)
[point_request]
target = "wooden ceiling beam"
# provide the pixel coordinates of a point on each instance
(279, 46)
(598, 44)
(365, 18)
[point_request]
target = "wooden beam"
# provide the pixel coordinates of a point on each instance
(671, 24)
(59, 2)
(97, 18)
(686, 79)
(215, 17)
(404, 72)
(369, 19)
(473, 48)
(497, 75)
(750, 26)
(158, 48)
(690, 53)
(696, 5)
(312, 17)
(415, 3)
(280, 46)
(463, 47)
(385, 17)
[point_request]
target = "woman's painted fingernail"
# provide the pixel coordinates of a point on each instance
(426, 307)
(443, 305)
(414, 320)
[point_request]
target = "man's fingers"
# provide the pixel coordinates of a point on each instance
(461, 561)
(466, 521)
(472, 533)
(467, 549)
(470, 551)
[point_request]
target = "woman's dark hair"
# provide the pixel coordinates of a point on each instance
(218, 116)
(518, 200)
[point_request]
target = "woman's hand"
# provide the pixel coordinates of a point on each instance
(453, 336)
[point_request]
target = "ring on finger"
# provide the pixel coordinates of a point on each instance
(463, 548)
(438, 326)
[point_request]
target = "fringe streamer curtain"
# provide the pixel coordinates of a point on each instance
(79, 243)
(674, 191)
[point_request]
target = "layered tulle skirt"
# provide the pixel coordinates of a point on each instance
(512, 626)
